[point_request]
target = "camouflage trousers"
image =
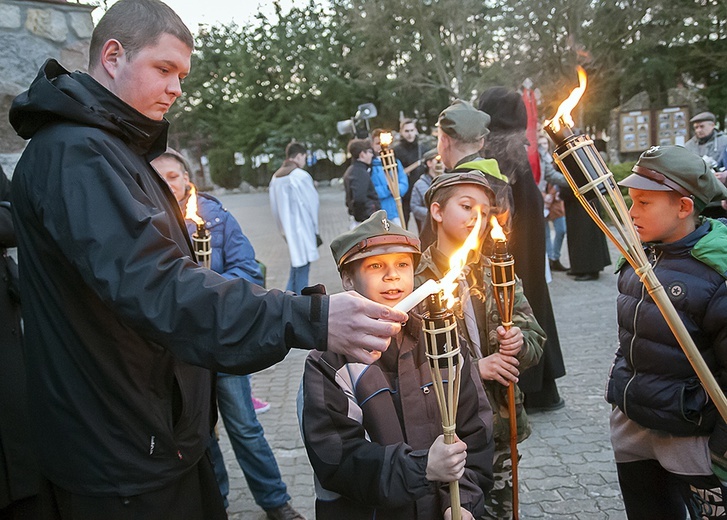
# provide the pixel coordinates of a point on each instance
(498, 502)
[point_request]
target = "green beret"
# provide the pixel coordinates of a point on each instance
(376, 235)
(464, 122)
(445, 180)
(674, 168)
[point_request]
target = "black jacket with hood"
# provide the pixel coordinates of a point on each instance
(122, 325)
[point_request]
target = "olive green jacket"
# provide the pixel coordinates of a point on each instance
(434, 264)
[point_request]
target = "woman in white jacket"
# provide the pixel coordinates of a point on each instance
(294, 203)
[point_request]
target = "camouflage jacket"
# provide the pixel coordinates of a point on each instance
(434, 264)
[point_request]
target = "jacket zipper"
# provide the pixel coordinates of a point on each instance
(653, 260)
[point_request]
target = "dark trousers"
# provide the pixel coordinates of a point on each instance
(194, 496)
(652, 493)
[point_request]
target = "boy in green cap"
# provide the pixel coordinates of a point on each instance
(374, 433)
(454, 200)
(664, 427)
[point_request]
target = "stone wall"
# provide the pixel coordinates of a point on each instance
(31, 31)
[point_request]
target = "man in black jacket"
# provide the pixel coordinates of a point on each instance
(361, 198)
(122, 326)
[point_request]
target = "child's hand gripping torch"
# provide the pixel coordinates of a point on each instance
(391, 172)
(593, 185)
(201, 239)
(442, 347)
(503, 286)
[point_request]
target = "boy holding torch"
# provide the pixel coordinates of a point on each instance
(374, 433)
(500, 354)
(669, 441)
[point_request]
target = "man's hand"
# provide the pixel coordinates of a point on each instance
(511, 341)
(466, 515)
(499, 367)
(359, 328)
(446, 461)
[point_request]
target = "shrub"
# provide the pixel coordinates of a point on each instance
(223, 170)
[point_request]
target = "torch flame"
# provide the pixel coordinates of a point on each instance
(192, 207)
(497, 233)
(569, 104)
(386, 139)
(458, 260)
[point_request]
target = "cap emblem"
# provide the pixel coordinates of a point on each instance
(386, 224)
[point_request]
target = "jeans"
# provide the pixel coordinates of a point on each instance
(256, 459)
(553, 247)
(298, 278)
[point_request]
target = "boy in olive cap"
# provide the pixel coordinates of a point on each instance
(663, 425)
(501, 355)
(374, 433)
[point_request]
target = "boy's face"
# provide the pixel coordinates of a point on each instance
(150, 80)
(457, 216)
(386, 279)
(661, 216)
(172, 172)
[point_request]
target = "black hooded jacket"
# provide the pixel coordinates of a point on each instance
(119, 319)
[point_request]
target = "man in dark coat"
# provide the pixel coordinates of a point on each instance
(123, 327)
(507, 144)
(19, 474)
(361, 198)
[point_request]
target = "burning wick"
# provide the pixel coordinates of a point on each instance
(448, 283)
(385, 138)
(201, 239)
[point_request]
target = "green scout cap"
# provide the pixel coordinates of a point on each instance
(464, 122)
(429, 155)
(674, 168)
(452, 179)
(376, 235)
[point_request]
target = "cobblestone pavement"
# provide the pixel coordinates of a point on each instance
(567, 468)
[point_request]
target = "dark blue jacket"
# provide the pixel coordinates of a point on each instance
(232, 253)
(651, 380)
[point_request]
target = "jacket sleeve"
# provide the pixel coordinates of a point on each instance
(239, 255)
(378, 178)
(360, 185)
(344, 461)
(403, 179)
(715, 326)
(7, 232)
(533, 334)
(118, 240)
(418, 208)
(474, 427)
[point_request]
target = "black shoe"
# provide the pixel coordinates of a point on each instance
(586, 277)
(284, 512)
(570, 272)
(555, 265)
(547, 408)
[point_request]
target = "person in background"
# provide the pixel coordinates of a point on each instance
(410, 151)
(233, 257)
(554, 209)
(419, 207)
(378, 177)
(361, 197)
(19, 474)
(707, 142)
(294, 203)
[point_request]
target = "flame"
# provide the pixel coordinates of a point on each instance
(386, 139)
(497, 233)
(192, 206)
(569, 104)
(458, 260)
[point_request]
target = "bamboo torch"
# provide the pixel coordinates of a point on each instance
(503, 286)
(391, 171)
(593, 185)
(442, 346)
(201, 239)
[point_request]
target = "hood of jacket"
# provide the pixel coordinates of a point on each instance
(59, 95)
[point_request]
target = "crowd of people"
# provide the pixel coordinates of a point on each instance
(129, 348)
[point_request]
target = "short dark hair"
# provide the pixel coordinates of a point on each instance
(294, 149)
(356, 146)
(136, 24)
(407, 121)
